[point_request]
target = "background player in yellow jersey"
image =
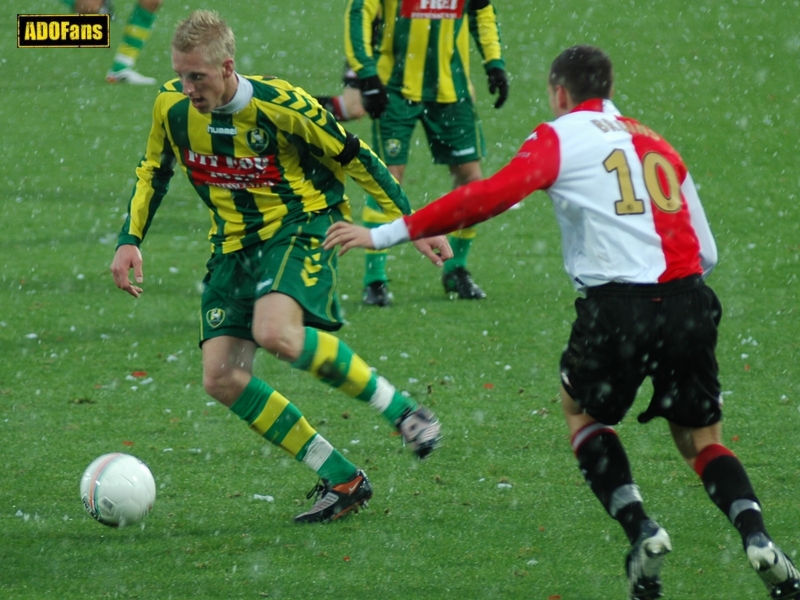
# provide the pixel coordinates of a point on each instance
(418, 70)
(134, 36)
(270, 165)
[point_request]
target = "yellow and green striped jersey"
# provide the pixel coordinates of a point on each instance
(278, 155)
(425, 59)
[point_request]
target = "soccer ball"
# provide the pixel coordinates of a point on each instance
(118, 489)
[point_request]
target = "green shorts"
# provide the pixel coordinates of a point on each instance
(453, 130)
(291, 262)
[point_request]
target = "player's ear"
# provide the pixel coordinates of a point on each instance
(563, 99)
(227, 67)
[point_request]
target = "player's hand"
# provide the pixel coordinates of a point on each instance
(126, 258)
(498, 82)
(373, 96)
(436, 248)
(348, 236)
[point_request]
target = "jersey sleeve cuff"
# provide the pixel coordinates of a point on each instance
(367, 71)
(497, 63)
(126, 238)
(389, 235)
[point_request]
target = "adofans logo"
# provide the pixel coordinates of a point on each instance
(63, 31)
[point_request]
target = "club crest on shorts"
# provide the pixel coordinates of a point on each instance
(215, 317)
(392, 147)
(257, 139)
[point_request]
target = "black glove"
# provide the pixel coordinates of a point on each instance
(498, 82)
(373, 96)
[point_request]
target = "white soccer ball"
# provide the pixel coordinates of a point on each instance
(118, 489)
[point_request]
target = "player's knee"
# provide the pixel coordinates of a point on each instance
(225, 382)
(218, 384)
(150, 5)
(88, 6)
(466, 173)
(279, 342)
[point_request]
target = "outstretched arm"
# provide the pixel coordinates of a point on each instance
(535, 167)
(153, 176)
(347, 236)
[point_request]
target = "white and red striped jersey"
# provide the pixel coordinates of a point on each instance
(626, 205)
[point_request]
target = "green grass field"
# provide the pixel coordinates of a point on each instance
(719, 81)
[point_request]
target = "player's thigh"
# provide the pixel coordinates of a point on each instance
(597, 368)
(454, 132)
(392, 132)
(295, 264)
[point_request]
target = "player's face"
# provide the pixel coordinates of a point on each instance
(208, 86)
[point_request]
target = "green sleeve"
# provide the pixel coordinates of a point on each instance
(374, 177)
(153, 175)
(358, 32)
(486, 33)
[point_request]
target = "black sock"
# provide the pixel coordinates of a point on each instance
(604, 465)
(728, 486)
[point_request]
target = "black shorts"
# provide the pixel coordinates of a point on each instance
(626, 332)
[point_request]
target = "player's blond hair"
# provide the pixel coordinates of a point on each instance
(207, 31)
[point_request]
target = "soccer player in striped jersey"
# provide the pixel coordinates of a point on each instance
(270, 164)
(136, 33)
(416, 68)
(637, 242)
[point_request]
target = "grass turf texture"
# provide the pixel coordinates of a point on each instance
(715, 80)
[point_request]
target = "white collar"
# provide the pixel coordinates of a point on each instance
(610, 108)
(244, 92)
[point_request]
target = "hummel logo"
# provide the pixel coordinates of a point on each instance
(213, 129)
(463, 152)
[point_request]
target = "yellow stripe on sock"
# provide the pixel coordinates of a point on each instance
(139, 33)
(465, 234)
(327, 348)
(358, 376)
(298, 436)
(272, 410)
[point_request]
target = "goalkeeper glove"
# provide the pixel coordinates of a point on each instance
(498, 82)
(373, 96)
